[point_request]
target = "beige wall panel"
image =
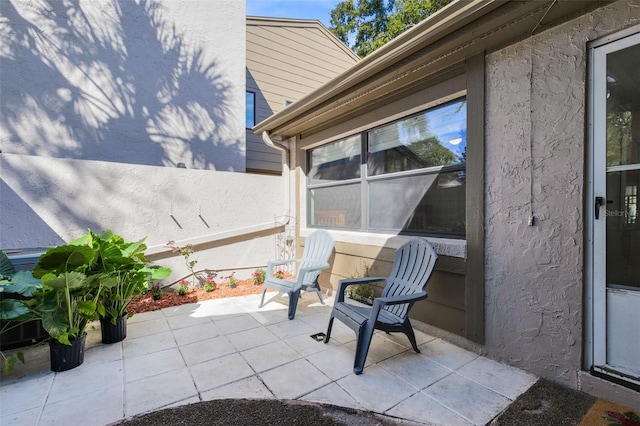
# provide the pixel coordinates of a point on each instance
(440, 316)
(306, 46)
(286, 60)
(285, 76)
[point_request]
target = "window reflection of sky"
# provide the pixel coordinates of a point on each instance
(446, 124)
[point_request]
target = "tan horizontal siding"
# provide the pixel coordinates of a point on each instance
(307, 46)
(283, 76)
(286, 60)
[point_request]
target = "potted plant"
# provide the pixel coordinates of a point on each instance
(18, 325)
(68, 300)
(126, 264)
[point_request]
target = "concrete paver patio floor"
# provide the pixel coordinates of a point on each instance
(228, 348)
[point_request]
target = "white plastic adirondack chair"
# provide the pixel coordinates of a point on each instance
(412, 268)
(317, 250)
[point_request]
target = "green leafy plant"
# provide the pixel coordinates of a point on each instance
(210, 283)
(258, 276)
(126, 263)
(185, 252)
(183, 288)
(156, 291)
(231, 280)
(279, 274)
(14, 288)
(361, 292)
(72, 282)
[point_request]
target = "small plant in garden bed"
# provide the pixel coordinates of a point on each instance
(210, 283)
(183, 288)
(279, 274)
(185, 252)
(231, 280)
(258, 276)
(156, 291)
(364, 293)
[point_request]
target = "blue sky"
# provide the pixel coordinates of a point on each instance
(302, 9)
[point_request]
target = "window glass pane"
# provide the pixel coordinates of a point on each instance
(436, 137)
(336, 161)
(432, 203)
(335, 207)
(250, 111)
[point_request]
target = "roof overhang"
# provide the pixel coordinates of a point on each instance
(440, 43)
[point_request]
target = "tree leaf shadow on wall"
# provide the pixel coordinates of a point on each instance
(113, 81)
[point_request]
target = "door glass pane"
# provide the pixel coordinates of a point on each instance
(425, 204)
(335, 207)
(623, 229)
(623, 149)
(623, 107)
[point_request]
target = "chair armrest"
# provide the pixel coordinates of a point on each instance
(397, 300)
(379, 302)
(342, 286)
(272, 263)
(311, 268)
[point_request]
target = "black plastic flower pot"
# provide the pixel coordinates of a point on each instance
(65, 357)
(113, 333)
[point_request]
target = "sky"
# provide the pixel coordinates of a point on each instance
(301, 9)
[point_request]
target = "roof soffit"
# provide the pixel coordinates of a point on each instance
(498, 27)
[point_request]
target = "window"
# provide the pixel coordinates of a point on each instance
(407, 176)
(250, 110)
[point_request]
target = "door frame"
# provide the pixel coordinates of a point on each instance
(595, 294)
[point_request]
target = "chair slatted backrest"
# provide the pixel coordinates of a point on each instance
(318, 248)
(412, 268)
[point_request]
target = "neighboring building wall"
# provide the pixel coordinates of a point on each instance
(100, 103)
(155, 83)
(535, 163)
(286, 59)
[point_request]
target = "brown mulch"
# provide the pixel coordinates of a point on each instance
(170, 297)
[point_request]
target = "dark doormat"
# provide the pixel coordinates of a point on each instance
(262, 412)
(548, 403)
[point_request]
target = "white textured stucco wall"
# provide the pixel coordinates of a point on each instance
(153, 83)
(101, 100)
(46, 203)
(534, 274)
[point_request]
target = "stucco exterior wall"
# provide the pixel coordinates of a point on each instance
(100, 103)
(535, 160)
(153, 83)
(46, 203)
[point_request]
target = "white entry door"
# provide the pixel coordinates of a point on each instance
(615, 254)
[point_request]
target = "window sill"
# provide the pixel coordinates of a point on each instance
(444, 246)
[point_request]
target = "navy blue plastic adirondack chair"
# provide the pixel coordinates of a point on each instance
(317, 250)
(412, 269)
